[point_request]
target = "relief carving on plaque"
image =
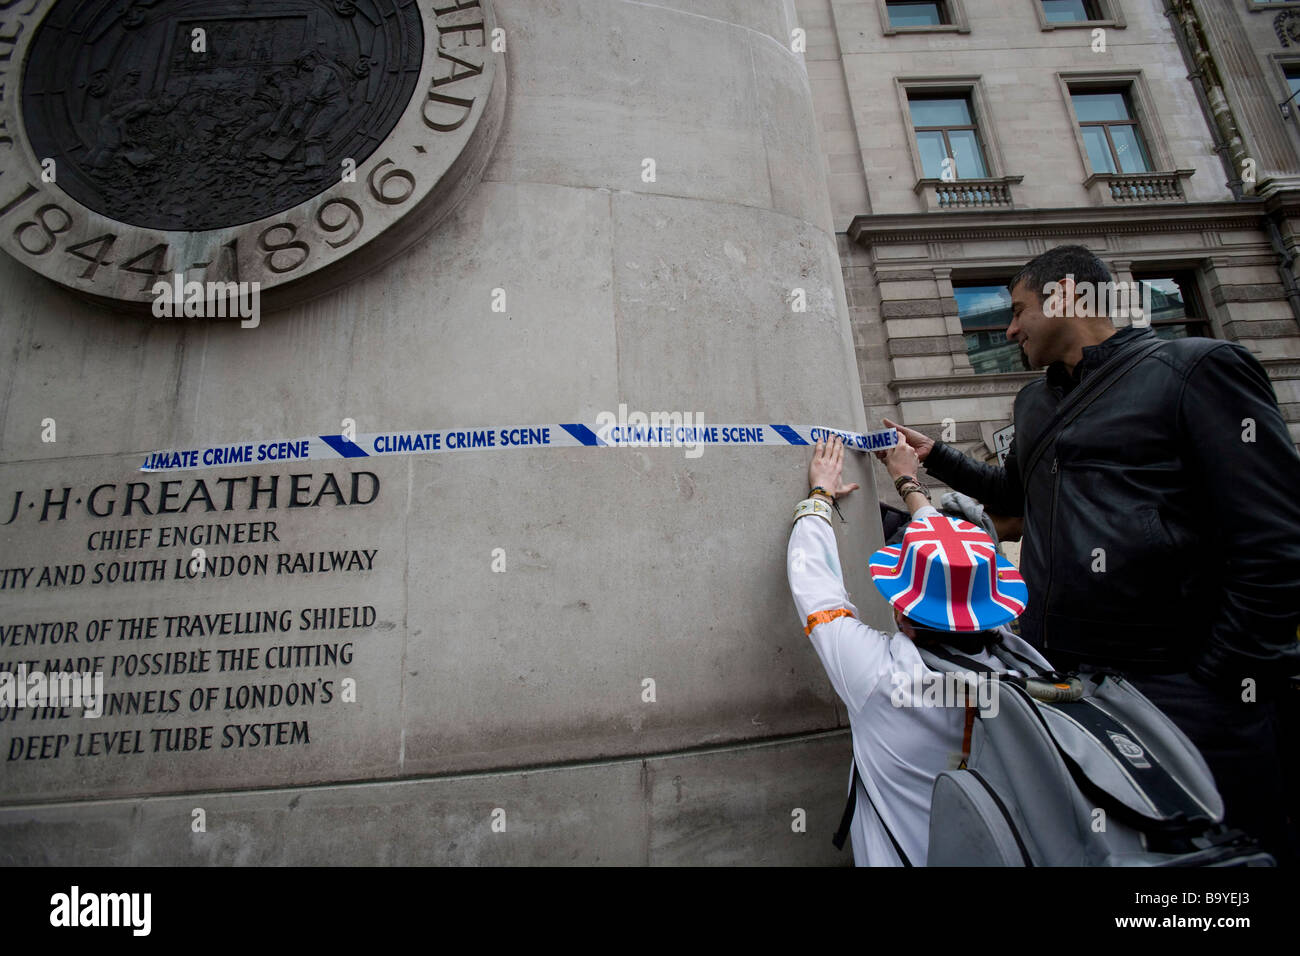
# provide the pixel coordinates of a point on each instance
(151, 144)
(199, 114)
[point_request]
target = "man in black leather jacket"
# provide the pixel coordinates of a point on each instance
(1161, 497)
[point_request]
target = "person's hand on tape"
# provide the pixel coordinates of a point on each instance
(919, 442)
(826, 470)
(902, 459)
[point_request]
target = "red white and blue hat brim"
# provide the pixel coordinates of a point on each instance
(918, 582)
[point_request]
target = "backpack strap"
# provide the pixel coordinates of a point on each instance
(1084, 394)
(971, 710)
(1036, 668)
(966, 735)
(847, 819)
(945, 655)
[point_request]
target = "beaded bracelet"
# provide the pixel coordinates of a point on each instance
(904, 478)
(914, 486)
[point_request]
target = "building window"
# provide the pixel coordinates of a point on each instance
(906, 13)
(1176, 311)
(985, 312)
(1070, 11)
(945, 130)
(1065, 14)
(1292, 74)
(1110, 132)
(922, 16)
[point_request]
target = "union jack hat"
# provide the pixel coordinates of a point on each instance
(947, 575)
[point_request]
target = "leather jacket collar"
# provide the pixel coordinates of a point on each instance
(1094, 356)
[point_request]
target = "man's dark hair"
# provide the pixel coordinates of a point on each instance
(1055, 264)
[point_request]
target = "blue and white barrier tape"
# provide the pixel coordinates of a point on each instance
(386, 444)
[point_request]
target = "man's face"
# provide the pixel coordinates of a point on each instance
(1042, 337)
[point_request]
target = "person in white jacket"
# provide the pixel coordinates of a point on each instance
(949, 588)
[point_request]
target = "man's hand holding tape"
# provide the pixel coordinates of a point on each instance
(825, 471)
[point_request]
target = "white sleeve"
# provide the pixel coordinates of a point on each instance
(855, 656)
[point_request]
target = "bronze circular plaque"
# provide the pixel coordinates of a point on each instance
(238, 141)
(199, 114)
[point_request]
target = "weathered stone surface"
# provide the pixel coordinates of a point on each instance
(717, 807)
(593, 96)
(1260, 292)
(476, 688)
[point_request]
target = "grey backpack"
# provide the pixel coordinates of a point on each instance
(1077, 771)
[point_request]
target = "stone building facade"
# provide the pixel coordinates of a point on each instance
(1061, 121)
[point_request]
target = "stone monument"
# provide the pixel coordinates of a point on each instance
(231, 223)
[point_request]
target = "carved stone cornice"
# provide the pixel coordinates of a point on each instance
(1283, 198)
(1055, 223)
(1281, 368)
(1010, 383)
(950, 386)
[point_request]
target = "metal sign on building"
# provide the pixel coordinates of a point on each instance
(1002, 442)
